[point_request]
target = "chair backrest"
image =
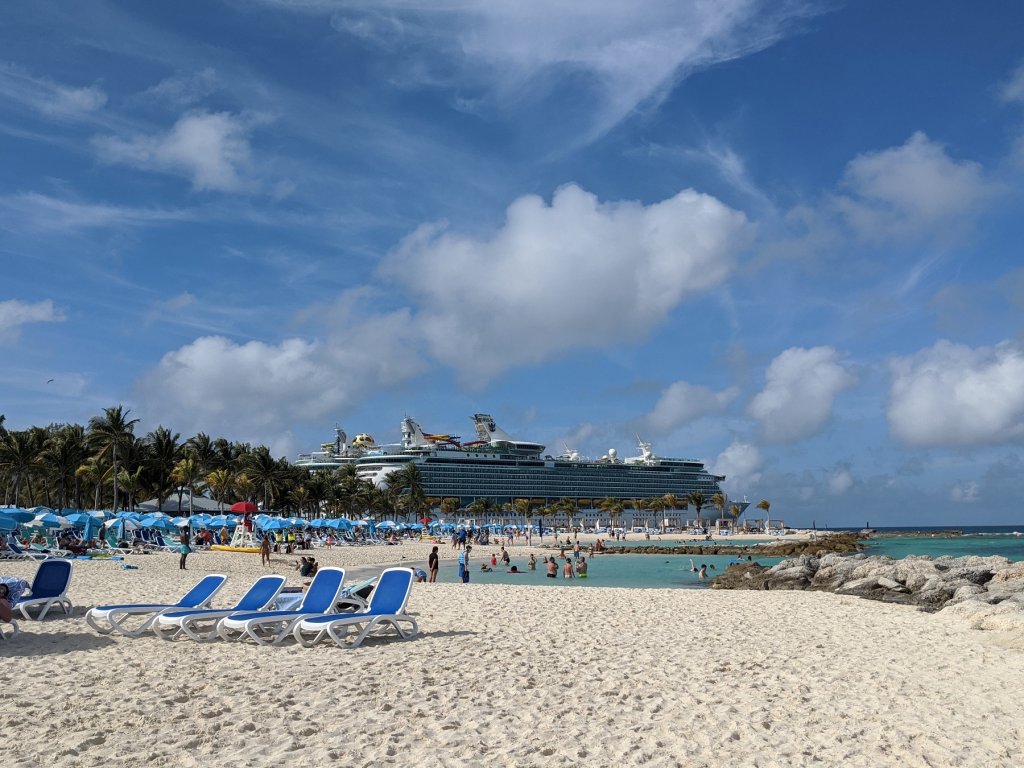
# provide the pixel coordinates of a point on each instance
(15, 547)
(392, 592)
(261, 594)
(203, 592)
(52, 578)
(323, 591)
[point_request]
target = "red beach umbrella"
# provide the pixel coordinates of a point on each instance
(425, 520)
(245, 508)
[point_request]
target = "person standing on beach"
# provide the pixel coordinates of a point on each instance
(265, 551)
(464, 563)
(432, 564)
(184, 549)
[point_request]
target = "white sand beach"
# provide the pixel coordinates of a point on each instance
(515, 676)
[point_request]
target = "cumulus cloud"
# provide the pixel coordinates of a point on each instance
(955, 395)
(51, 99)
(575, 273)
(683, 402)
(801, 386)
(1012, 90)
(620, 54)
(211, 149)
(966, 492)
(14, 314)
(840, 480)
(741, 463)
(260, 390)
(910, 190)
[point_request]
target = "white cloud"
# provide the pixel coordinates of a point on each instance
(259, 390)
(574, 273)
(209, 148)
(954, 395)
(683, 402)
(1013, 89)
(54, 100)
(839, 481)
(910, 190)
(14, 314)
(620, 54)
(183, 90)
(965, 493)
(741, 463)
(800, 388)
(35, 212)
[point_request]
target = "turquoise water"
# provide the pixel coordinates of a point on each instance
(983, 545)
(608, 571)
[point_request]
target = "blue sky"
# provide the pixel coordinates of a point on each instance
(782, 237)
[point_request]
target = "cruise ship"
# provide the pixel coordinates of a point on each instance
(497, 466)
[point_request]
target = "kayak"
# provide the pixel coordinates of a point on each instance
(225, 548)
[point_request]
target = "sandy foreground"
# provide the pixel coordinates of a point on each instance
(515, 676)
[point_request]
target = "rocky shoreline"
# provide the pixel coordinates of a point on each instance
(832, 543)
(986, 591)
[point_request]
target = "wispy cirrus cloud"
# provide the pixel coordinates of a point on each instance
(49, 98)
(510, 52)
(35, 212)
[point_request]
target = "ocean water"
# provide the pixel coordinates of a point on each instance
(674, 571)
(981, 542)
(607, 571)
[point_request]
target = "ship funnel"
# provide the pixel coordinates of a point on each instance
(412, 435)
(486, 429)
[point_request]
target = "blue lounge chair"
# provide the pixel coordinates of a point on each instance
(201, 624)
(110, 618)
(387, 607)
(271, 627)
(19, 553)
(49, 588)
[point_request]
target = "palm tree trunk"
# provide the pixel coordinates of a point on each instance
(113, 448)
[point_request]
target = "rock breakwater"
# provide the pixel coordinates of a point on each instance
(986, 591)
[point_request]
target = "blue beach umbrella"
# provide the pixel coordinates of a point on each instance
(275, 524)
(78, 518)
(7, 523)
(21, 515)
(49, 520)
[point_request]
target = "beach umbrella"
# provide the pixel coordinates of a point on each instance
(296, 522)
(179, 522)
(77, 518)
(244, 508)
(340, 523)
(7, 523)
(90, 523)
(387, 524)
(20, 515)
(274, 524)
(49, 520)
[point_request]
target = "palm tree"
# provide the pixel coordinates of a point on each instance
(109, 433)
(63, 454)
(187, 473)
(265, 471)
(613, 508)
(482, 507)
(19, 455)
(91, 472)
(203, 450)
(220, 482)
(449, 506)
(736, 511)
(163, 453)
(766, 506)
(407, 482)
(131, 484)
(657, 508)
(718, 500)
(697, 499)
(300, 497)
(245, 488)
